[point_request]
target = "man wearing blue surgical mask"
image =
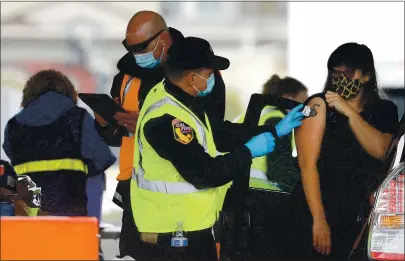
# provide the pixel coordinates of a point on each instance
(210, 85)
(148, 60)
(147, 40)
(178, 173)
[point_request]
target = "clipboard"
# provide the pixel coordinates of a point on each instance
(102, 104)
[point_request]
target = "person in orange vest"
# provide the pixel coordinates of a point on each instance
(147, 40)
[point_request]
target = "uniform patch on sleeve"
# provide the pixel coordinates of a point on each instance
(182, 132)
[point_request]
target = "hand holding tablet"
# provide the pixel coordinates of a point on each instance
(102, 104)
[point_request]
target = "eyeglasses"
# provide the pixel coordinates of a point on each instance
(348, 73)
(137, 48)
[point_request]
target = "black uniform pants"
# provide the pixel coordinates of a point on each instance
(130, 236)
(261, 230)
(201, 247)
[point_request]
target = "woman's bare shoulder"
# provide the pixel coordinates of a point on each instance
(317, 103)
(316, 99)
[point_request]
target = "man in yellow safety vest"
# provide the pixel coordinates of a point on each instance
(178, 180)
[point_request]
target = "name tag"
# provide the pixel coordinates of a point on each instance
(150, 238)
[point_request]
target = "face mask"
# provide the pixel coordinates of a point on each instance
(210, 86)
(346, 88)
(147, 60)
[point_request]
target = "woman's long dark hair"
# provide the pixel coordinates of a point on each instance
(356, 56)
(279, 87)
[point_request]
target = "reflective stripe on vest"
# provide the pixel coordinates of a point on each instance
(255, 173)
(157, 188)
(51, 165)
(258, 176)
(271, 112)
(129, 101)
(161, 186)
(259, 180)
(129, 93)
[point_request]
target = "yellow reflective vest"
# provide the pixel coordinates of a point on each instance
(258, 171)
(160, 197)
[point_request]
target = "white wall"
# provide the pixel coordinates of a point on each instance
(10, 101)
(315, 29)
(249, 70)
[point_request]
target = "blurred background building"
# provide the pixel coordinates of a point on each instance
(83, 40)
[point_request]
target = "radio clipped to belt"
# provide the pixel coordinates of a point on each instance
(179, 239)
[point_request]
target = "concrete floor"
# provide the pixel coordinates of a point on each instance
(110, 248)
(112, 214)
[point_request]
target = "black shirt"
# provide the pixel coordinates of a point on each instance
(113, 133)
(347, 173)
(346, 170)
(189, 158)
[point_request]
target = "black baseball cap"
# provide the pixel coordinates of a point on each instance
(193, 53)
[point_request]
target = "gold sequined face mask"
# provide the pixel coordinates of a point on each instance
(345, 87)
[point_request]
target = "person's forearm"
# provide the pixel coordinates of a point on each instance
(210, 172)
(229, 136)
(311, 185)
(373, 141)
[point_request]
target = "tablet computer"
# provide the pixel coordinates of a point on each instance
(102, 104)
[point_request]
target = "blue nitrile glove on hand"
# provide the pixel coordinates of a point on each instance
(261, 145)
(290, 121)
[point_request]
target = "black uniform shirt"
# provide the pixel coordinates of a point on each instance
(189, 157)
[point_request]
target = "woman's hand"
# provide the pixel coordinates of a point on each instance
(321, 236)
(335, 101)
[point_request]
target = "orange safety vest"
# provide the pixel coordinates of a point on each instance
(129, 101)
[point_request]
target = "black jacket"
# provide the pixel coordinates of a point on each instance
(113, 133)
(191, 161)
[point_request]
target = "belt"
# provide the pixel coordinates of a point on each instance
(165, 238)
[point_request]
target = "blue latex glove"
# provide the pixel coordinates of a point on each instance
(290, 121)
(261, 145)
